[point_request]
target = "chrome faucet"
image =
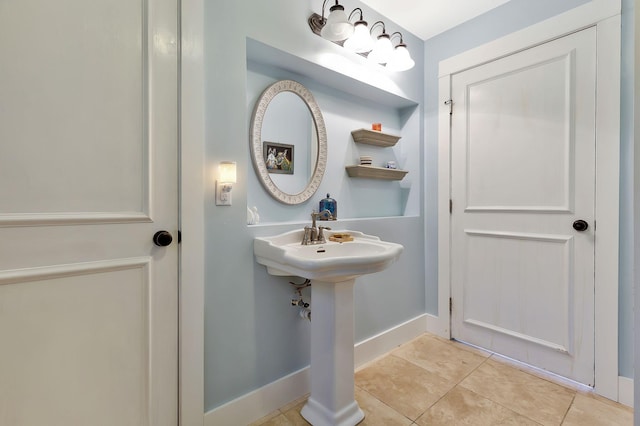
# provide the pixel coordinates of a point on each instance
(315, 234)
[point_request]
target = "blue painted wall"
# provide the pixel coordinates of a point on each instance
(252, 334)
(513, 16)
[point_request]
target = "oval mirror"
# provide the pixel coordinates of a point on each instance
(288, 142)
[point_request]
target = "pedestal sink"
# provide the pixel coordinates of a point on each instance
(333, 268)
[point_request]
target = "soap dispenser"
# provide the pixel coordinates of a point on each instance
(331, 205)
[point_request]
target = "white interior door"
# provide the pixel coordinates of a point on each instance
(88, 174)
(523, 171)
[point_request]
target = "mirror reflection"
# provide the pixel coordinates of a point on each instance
(288, 142)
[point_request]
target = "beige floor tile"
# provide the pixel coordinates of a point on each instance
(449, 361)
(530, 396)
(589, 411)
(278, 420)
(376, 413)
(293, 414)
(463, 407)
(402, 385)
(264, 420)
(287, 415)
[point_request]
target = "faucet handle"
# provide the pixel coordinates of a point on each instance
(321, 233)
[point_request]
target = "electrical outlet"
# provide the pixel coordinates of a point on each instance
(223, 195)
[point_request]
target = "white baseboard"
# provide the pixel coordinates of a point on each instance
(439, 325)
(625, 391)
(269, 398)
(260, 402)
(380, 344)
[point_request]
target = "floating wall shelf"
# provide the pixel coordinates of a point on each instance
(375, 172)
(373, 137)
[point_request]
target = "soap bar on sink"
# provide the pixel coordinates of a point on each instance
(341, 237)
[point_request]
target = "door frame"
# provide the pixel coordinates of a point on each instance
(605, 16)
(192, 189)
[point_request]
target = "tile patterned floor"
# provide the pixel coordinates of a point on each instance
(431, 381)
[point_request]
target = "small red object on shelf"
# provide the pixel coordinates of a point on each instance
(376, 126)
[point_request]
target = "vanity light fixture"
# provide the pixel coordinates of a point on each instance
(337, 27)
(224, 184)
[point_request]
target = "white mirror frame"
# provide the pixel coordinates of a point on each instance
(256, 141)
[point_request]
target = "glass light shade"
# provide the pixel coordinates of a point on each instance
(400, 59)
(382, 50)
(337, 27)
(227, 172)
(360, 41)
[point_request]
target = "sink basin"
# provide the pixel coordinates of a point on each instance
(331, 261)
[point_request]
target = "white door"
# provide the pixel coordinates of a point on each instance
(523, 171)
(88, 174)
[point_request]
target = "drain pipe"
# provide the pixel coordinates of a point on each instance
(305, 313)
(297, 300)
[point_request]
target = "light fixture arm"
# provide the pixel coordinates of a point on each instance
(324, 4)
(353, 11)
(399, 34)
(384, 29)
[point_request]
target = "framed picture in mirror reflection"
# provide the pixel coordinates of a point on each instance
(278, 157)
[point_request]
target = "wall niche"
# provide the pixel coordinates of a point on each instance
(346, 104)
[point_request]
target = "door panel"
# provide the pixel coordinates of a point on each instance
(88, 173)
(523, 170)
(72, 71)
(64, 320)
(530, 171)
(533, 273)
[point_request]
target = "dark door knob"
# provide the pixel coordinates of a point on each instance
(162, 238)
(580, 225)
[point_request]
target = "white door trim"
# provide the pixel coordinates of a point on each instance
(192, 181)
(605, 15)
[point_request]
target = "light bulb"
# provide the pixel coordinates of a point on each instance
(400, 59)
(382, 50)
(227, 171)
(360, 41)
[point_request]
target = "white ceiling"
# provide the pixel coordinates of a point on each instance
(427, 18)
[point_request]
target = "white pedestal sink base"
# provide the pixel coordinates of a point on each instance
(316, 414)
(333, 268)
(332, 401)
